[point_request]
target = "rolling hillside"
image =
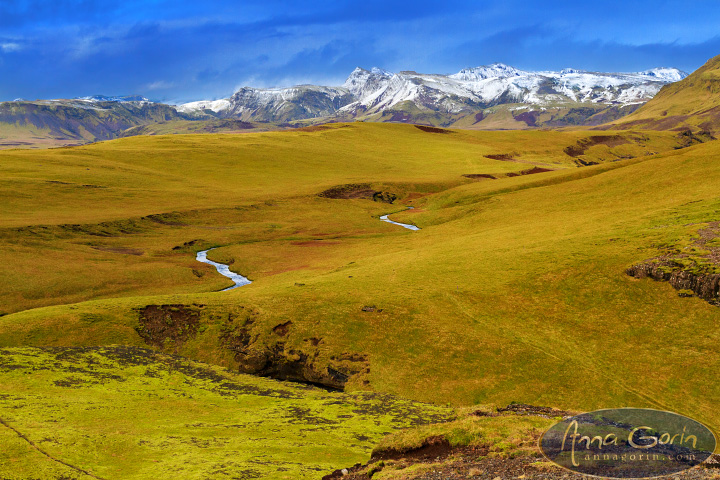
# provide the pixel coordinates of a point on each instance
(692, 103)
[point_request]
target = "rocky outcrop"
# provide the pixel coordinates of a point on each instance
(705, 286)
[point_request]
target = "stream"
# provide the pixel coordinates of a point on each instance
(223, 270)
(240, 281)
(385, 218)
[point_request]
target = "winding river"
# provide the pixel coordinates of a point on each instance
(223, 270)
(385, 218)
(241, 281)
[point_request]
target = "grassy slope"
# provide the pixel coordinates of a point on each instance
(691, 103)
(225, 189)
(514, 289)
(129, 413)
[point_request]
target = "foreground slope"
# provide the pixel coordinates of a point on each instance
(130, 413)
(514, 289)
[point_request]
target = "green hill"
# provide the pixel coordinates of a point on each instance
(692, 103)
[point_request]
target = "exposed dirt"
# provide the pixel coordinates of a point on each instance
(686, 274)
(584, 144)
(427, 129)
(168, 326)
(479, 117)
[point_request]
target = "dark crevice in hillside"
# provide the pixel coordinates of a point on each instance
(46, 454)
(530, 171)
(276, 359)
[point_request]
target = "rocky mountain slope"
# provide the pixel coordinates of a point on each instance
(77, 121)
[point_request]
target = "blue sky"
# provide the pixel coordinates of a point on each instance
(176, 50)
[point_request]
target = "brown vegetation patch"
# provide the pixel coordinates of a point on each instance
(428, 129)
(168, 325)
(479, 117)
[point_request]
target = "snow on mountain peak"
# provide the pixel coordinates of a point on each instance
(665, 74)
(496, 70)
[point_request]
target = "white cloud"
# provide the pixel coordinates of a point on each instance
(160, 85)
(8, 47)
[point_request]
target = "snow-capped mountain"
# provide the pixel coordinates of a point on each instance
(375, 92)
(115, 99)
(294, 103)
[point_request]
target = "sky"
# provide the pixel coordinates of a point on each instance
(178, 51)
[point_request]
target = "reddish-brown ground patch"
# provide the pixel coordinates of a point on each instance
(428, 129)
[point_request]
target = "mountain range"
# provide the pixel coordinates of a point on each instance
(379, 95)
(490, 97)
